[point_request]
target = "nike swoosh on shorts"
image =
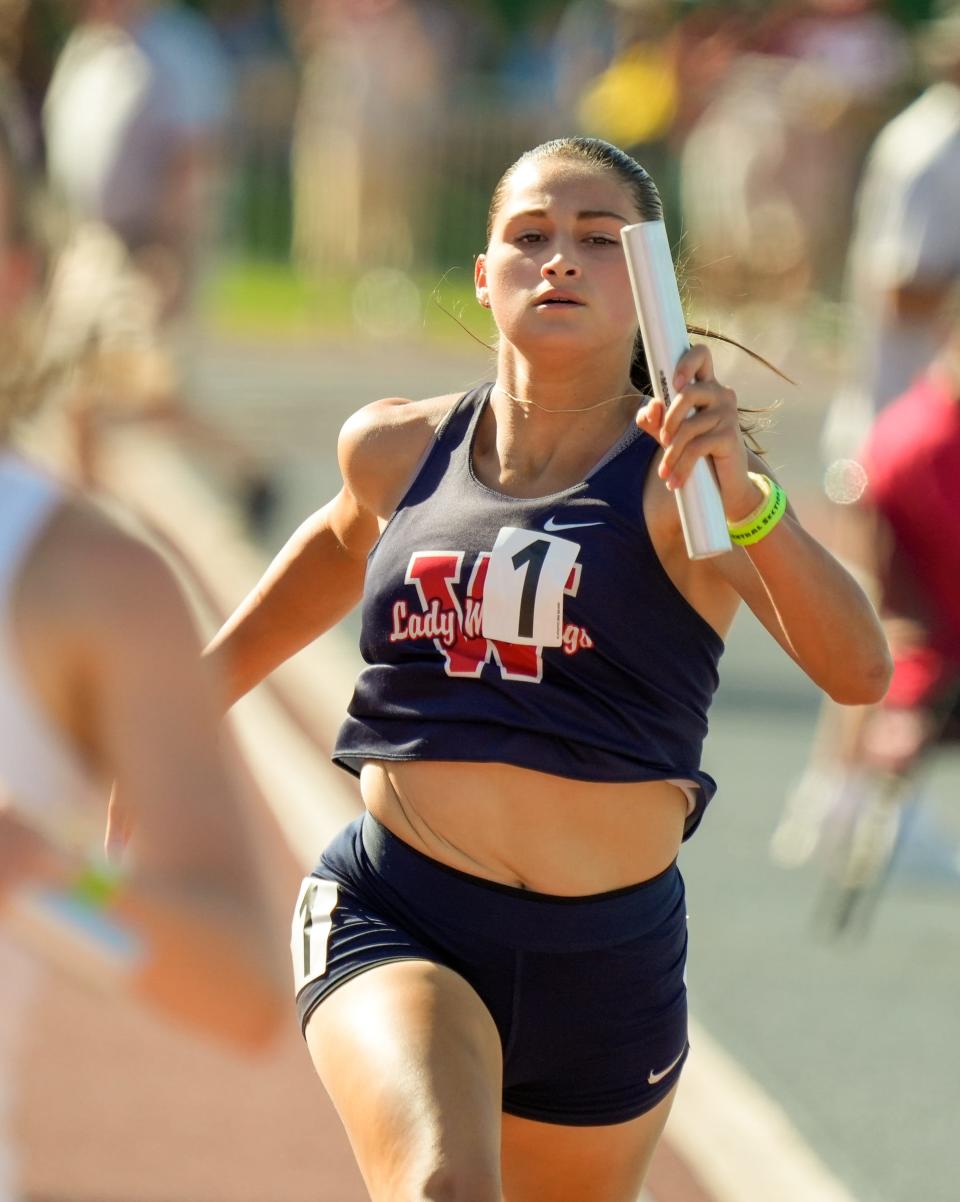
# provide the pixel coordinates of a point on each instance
(653, 1078)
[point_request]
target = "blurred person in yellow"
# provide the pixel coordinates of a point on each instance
(135, 122)
(99, 680)
(634, 99)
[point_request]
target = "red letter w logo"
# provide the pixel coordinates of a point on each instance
(434, 573)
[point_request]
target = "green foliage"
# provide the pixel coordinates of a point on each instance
(911, 11)
(257, 298)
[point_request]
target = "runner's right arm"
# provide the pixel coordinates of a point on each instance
(317, 578)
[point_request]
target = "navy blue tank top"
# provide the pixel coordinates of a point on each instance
(536, 631)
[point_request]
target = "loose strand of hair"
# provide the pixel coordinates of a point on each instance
(706, 332)
(751, 420)
(435, 297)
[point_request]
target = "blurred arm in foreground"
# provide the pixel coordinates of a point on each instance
(100, 680)
(110, 686)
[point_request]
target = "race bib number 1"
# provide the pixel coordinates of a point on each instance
(523, 593)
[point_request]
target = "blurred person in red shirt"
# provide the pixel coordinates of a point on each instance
(912, 499)
(903, 271)
(902, 532)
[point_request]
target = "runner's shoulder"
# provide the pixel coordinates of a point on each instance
(382, 445)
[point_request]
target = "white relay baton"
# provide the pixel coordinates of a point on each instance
(664, 333)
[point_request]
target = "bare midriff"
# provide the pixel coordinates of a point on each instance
(529, 829)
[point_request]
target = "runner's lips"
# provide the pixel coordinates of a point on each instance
(556, 297)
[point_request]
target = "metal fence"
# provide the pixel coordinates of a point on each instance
(353, 199)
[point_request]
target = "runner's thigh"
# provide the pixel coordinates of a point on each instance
(546, 1162)
(411, 1059)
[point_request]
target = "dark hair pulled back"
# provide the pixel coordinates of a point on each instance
(646, 199)
(636, 179)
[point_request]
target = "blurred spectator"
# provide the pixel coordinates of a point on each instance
(135, 119)
(768, 170)
(857, 61)
(15, 116)
(711, 35)
(528, 65)
(901, 532)
(584, 45)
(266, 86)
(904, 261)
(633, 102)
(744, 221)
(373, 79)
(856, 45)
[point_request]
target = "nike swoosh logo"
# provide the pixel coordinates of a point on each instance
(653, 1078)
(553, 526)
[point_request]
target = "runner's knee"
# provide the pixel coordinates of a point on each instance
(453, 1183)
(440, 1176)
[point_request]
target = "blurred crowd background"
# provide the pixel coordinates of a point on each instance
(329, 162)
(348, 136)
(185, 185)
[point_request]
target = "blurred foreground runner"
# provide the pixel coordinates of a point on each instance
(100, 681)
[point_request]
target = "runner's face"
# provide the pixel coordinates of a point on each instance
(554, 273)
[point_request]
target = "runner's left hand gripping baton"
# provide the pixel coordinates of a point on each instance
(664, 332)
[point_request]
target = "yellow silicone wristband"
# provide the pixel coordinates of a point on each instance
(761, 522)
(766, 488)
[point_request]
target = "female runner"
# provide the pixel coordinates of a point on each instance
(489, 964)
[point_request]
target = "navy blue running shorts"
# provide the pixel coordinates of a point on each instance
(587, 993)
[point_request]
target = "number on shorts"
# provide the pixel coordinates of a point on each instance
(310, 932)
